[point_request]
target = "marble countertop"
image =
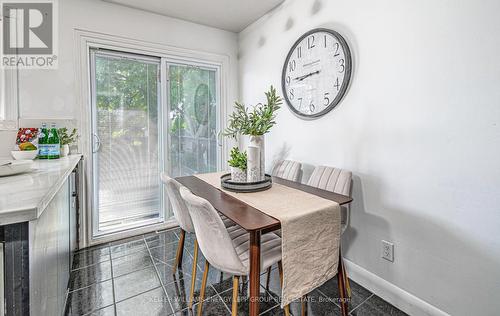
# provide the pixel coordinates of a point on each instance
(25, 196)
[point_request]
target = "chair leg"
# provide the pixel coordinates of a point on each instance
(268, 278)
(234, 308)
(180, 251)
(193, 274)
(280, 270)
(203, 286)
(304, 306)
(346, 281)
(344, 308)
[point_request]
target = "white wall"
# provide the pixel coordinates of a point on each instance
(419, 128)
(54, 93)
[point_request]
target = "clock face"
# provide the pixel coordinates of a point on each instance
(316, 73)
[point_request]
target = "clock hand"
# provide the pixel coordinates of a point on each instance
(300, 78)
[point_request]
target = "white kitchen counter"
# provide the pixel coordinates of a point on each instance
(25, 196)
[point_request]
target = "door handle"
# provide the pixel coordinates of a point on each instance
(97, 141)
(219, 138)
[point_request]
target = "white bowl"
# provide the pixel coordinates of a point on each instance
(24, 154)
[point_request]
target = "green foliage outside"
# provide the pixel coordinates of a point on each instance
(126, 95)
(127, 104)
(193, 120)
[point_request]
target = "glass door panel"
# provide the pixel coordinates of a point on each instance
(126, 129)
(193, 120)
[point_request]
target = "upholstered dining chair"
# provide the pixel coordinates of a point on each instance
(288, 169)
(227, 249)
(334, 180)
(338, 181)
(182, 216)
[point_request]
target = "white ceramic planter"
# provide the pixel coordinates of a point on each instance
(258, 141)
(64, 150)
(238, 175)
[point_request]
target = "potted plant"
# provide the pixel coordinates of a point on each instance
(238, 164)
(66, 139)
(255, 123)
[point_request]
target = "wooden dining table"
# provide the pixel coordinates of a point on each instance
(257, 223)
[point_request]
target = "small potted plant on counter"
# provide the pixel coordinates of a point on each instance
(66, 139)
(238, 164)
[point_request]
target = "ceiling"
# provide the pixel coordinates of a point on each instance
(230, 15)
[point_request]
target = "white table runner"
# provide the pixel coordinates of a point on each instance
(310, 228)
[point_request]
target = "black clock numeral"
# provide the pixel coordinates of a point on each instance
(291, 93)
(336, 49)
(288, 79)
(299, 52)
(326, 99)
(300, 103)
(311, 107)
(325, 41)
(292, 65)
(337, 85)
(342, 62)
(310, 42)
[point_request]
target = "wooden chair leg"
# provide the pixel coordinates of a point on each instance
(268, 278)
(346, 281)
(234, 308)
(193, 274)
(203, 287)
(280, 270)
(180, 251)
(340, 278)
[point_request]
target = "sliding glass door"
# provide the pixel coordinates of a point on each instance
(143, 125)
(126, 130)
(193, 120)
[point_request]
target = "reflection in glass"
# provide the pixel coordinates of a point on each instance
(193, 120)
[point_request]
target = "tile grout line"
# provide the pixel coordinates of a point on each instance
(112, 280)
(158, 275)
(70, 290)
(361, 303)
(90, 265)
(138, 294)
(222, 299)
(328, 297)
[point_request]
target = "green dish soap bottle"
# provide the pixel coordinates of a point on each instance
(42, 142)
(53, 143)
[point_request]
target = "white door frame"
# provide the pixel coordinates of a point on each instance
(84, 41)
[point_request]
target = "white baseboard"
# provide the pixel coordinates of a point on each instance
(398, 297)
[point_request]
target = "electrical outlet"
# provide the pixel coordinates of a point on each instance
(388, 251)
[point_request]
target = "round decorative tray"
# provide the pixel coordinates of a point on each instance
(245, 187)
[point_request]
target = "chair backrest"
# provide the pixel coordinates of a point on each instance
(179, 208)
(287, 169)
(212, 235)
(331, 179)
(334, 180)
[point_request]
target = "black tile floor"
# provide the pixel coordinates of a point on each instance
(134, 277)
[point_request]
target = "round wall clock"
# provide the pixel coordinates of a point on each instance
(316, 73)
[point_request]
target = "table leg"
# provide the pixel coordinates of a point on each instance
(340, 279)
(254, 272)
